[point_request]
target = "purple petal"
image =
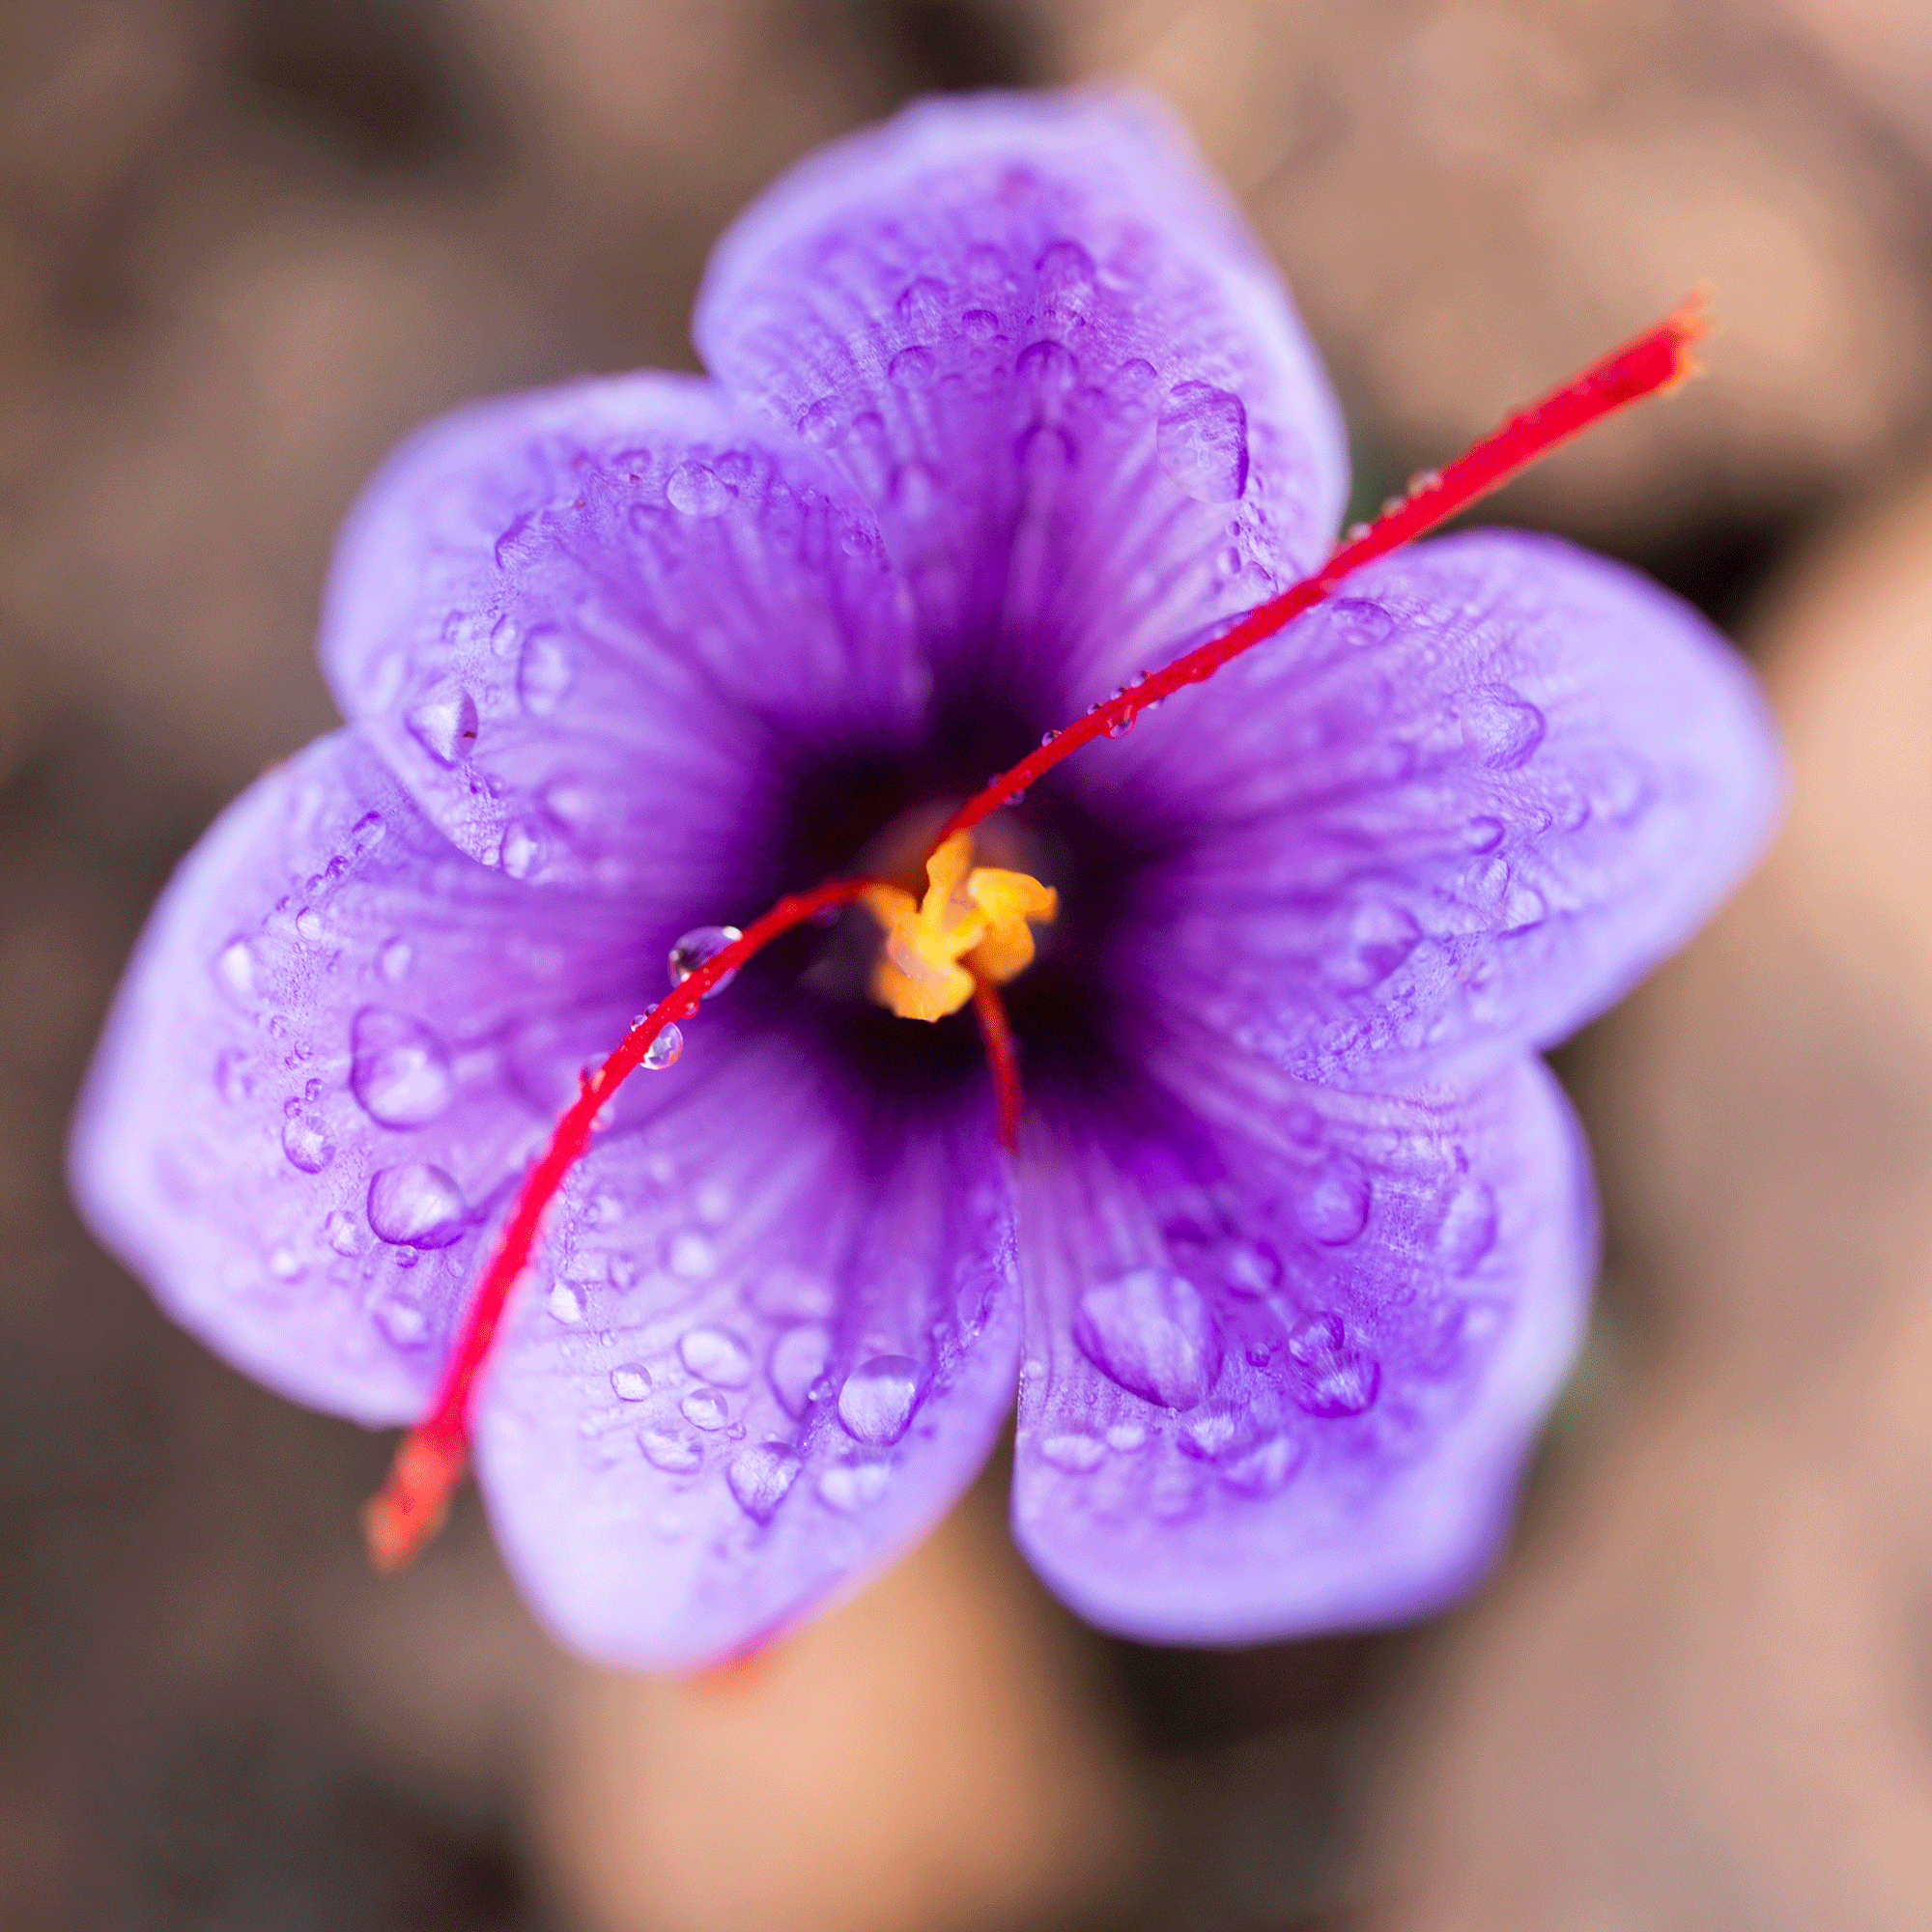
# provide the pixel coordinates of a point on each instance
(336, 1045)
(1041, 341)
(769, 1342)
(1462, 808)
(596, 630)
(1356, 1310)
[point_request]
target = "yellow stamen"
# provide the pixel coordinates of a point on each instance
(973, 920)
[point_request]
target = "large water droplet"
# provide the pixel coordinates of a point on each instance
(760, 1475)
(912, 368)
(671, 1450)
(701, 944)
(1469, 1230)
(400, 1071)
(706, 1409)
(1358, 622)
(1379, 937)
(566, 1302)
(922, 305)
(718, 1356)
(1265, 1467)
(1251, 1270)
(629, 1381)
(825, 423)
(1501, 728)
(1047, 368)
(697, 490)
(1202, 442)
(417, 1205)
(307, 1143)
(665, 1049)
(1153, 1333)
(1333, 1208)
(1066, 277)
(444, 723)
(797, 1361)
(339, 1229)
(1336, 1378)
(546, 671)
(878, 1398)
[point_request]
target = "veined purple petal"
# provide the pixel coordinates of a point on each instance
(1344, 1398)
(772, 1338)
(1043, 343)
(595, 629)
(334, 1052)
(1460, 809)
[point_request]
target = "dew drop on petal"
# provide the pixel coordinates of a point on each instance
(566, 1302)
(824, 423)
(444, 723)
(670, 1450)
(697, 490)
(415, 1206)
(307, 1143)
(339, 1229)
(922, 305)
(629, 1381)
(1153, 1332)
(980, 324)
(912, 368)
(1202, 440)
(1336, 1378)
(665, 1049)
(1265, 1467)
(399, 1071)
(1502, 729)
(706, 1409)
(701, 944)
(544, 672)
(523, 852)
(1333, 1208)
(798, 1359)
(1482, 834)
(716, 1355)
(850, 1485)
(1066, 277)
(1468, 1229)
(401, 1322)
(1075, 1452)
(1380, 936)
(878, 1398)
(1358, 622)
(760, 1476)
(1251, 1270)
(1124, 1437)
(1047, 368)
(234, 968)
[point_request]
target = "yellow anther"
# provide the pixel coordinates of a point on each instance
(973, 920)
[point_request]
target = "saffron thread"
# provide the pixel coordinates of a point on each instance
(431, 1458)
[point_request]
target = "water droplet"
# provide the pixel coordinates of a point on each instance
(849, 1486)
(718, 1356)
(824, 423)
(1132, 379)
(340, 1231)
(1501, 728)
(1379, 937)
(1124, 1437)
(284, 1264)
(566, 1302)
(922, 305)
(665, 1049)
(544, 672)
(1482, 834)
(629, 1381)
(400, 1071)
(1360, 622)
(670, 1450)
(912, 368)
(701, 944)
(760, 1475)
(1333, 1208)
(706, 1409)
(308, 925)
(798, 1359)
(1469, 1230)
(234, 968)
(1337, 1379)
(232, 1078)
(1264, 1467)
(697, 490)
(1047, 737)
(1065, 273)
(980, 324)
(1076, 1453)
(1251, 1270)
(402, 1321)
(417, 1205)
(1046, 368)
(444, 723)
(1153, 1333)
(1202, 440)
(693, 1257)
(1355, 533)
(307, 1143)
(878, 1398)
(523, 852)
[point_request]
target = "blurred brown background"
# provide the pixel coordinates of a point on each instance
(244, 246)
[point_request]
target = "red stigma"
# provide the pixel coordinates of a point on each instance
(430, 1460)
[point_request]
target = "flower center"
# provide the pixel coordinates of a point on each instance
(974, 923)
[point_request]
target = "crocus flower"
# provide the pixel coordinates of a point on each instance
(1004, 403)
